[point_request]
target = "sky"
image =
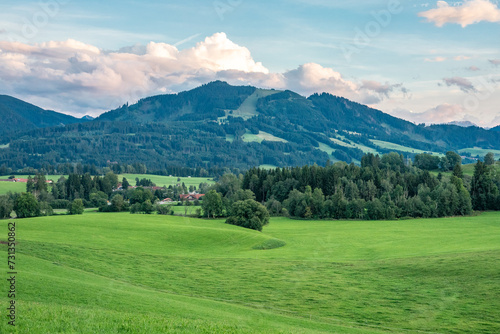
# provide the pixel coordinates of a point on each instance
(427, 62)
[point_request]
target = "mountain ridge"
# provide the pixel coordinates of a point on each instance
(21, 115)
(218, 124)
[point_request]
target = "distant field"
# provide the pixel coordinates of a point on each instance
(15, 187)
(268, 166)
(248, 108)
(396, 147)
(259, 138)
(115, 273)
(363, 148)
(481, 152)
(180, 210)
(161, 180)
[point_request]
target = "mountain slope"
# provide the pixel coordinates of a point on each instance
(207, 102)
(219, 125)
(20, 115)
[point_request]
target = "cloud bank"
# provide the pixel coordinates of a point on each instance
(469, 12)
(443, 113)
(78, 78)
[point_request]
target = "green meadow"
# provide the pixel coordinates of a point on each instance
(123, 273)
(15, 187)
(159, 180)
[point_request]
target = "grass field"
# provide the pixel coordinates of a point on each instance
(123, 273)
(259, 138)
(180, 210)
(480, 152)
(161, 180)
(15, 187)
(248, 108)
(396, 147)
(363, 148)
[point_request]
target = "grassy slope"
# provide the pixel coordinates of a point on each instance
(363, 148)
(249, 137)
(481, 152)
(132, 273)
(392, 146)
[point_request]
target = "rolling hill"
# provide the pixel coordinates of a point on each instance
(236, 126)
(123, 273)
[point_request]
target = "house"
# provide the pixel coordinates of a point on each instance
(191, 197)
(165, 201)
(20, 180)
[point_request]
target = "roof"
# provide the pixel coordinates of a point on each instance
(191, 196)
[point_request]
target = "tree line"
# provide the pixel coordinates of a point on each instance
(383, 187)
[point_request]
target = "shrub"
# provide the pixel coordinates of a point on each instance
(76, 207)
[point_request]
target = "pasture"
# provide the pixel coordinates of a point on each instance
(123, 273)
(161, 180)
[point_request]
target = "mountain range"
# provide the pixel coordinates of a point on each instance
(222, 125)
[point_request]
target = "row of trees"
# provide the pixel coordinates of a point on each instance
(383, 187)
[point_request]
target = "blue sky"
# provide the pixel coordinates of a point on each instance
(424, 61)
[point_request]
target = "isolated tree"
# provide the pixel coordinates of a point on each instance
(249, 214)
(212, 204)
(489, 159)
(76, 207)
(26, 206)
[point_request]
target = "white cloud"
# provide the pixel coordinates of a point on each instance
(469, 12)
(79, 78)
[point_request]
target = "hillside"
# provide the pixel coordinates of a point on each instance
(237, 126)
(19, 115)
(162, 274)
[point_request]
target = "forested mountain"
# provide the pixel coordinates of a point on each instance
(18, 115)
(236, 126)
